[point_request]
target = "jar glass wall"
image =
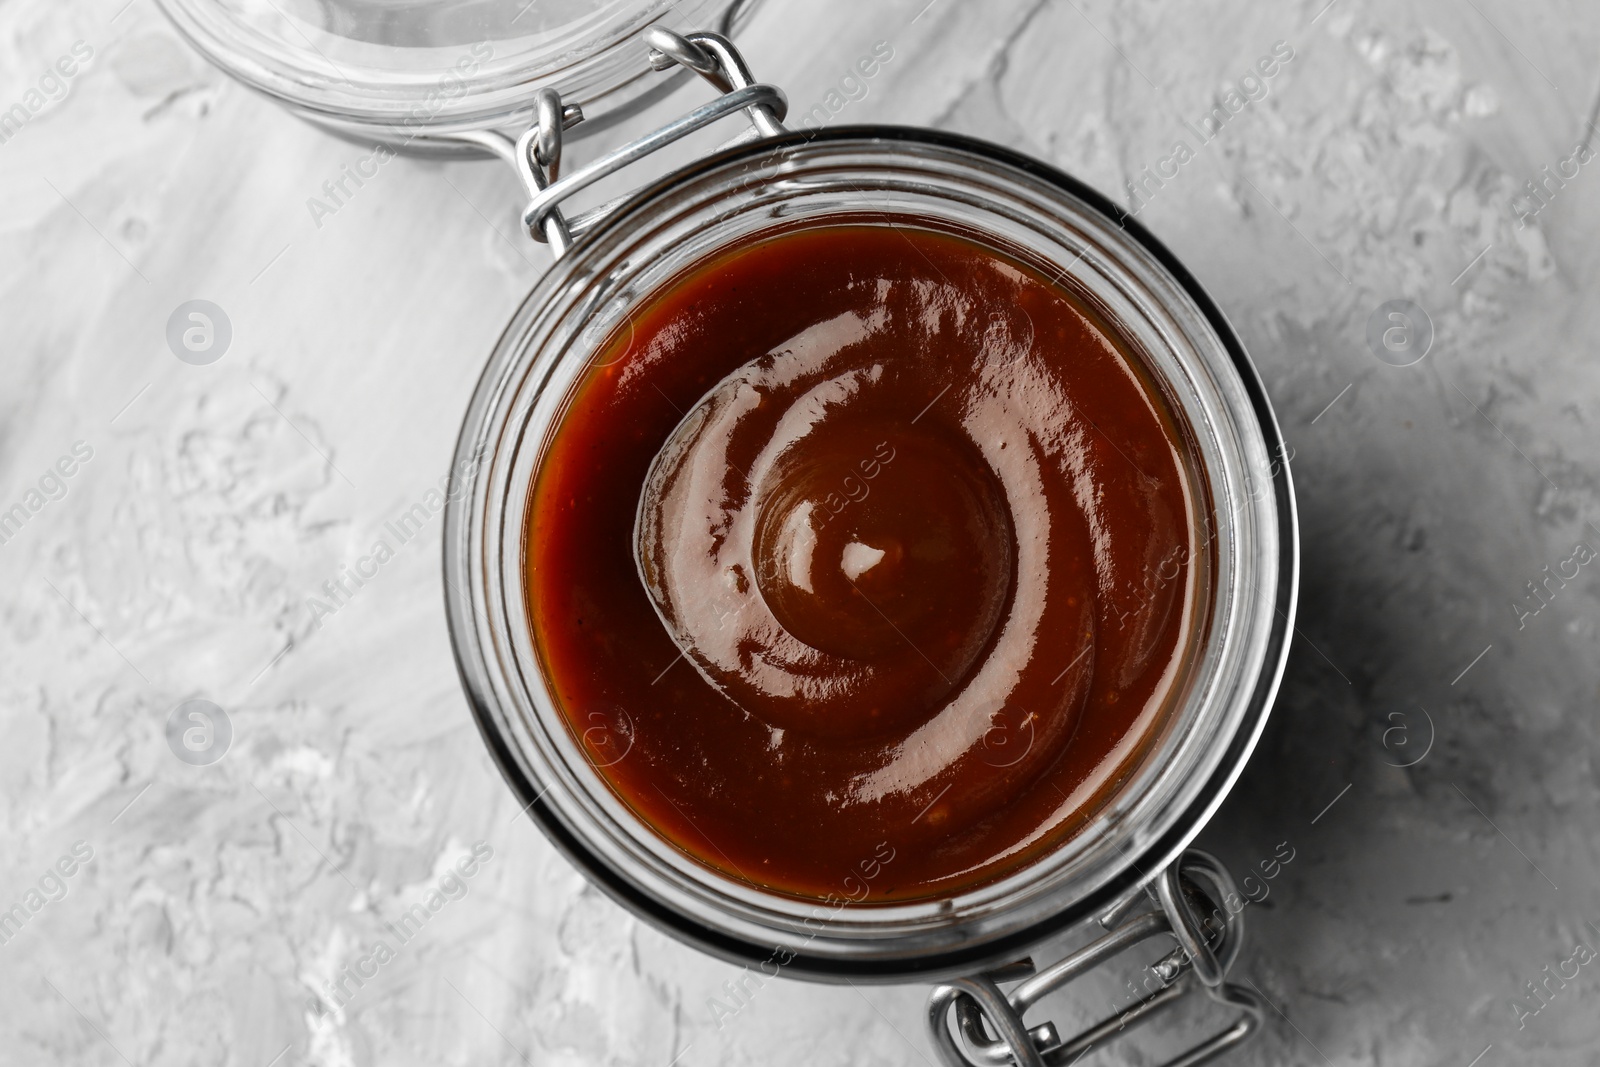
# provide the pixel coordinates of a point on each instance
(916, 178)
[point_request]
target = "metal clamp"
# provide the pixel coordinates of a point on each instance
(536, 155)
(1208, 936)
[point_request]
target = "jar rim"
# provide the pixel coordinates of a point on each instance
(516, 392)
(404, 79)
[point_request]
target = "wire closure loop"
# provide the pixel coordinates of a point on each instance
(990, 1023)
(714, 58)
(537, 153)
(537, 158)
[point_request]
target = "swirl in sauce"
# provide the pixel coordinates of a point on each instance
(860, 541)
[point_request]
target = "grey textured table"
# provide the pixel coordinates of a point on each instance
(1387, 159)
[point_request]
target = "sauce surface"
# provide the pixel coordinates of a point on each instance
(862, 562)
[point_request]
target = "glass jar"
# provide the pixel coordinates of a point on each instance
(913, 175)
(610, 262)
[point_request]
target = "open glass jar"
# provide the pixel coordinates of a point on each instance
(1128, 868)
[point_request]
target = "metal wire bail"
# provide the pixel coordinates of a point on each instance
(537, 154)
(990, 1023)
(537, 158)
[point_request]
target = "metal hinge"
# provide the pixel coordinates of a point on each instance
(1208, 933)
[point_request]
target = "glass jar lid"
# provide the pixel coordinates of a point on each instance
(391, 69)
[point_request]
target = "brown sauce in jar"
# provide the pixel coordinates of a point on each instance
(863, 562)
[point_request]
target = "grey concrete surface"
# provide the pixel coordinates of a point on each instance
(1388, 159)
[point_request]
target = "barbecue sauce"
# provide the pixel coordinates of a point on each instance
(862, 562)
